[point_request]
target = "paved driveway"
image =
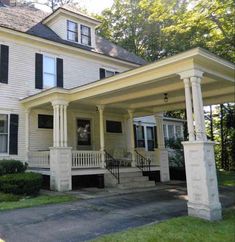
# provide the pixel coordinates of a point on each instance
(87, 219)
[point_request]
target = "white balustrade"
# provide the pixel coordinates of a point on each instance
(39, 159)
(86, 159)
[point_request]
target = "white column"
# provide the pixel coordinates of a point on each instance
(102, 142)
(65, 126)
(202, 187)
(61, 111)
(132, 137)
(27, 127)
(189, 110)
(198, 108)
(161, 151)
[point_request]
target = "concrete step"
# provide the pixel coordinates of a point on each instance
(134, 179)
(130, 174)
(136, 185)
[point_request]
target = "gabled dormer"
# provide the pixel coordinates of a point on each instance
(73, 26)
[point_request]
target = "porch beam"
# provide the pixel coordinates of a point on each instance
(181, 99)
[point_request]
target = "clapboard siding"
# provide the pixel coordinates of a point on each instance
(21, 83)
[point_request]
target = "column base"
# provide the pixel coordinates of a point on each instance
(162, 157)
(202, 187)
(60, 169)
(205, 212)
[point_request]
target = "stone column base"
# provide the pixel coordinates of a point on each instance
(205, 212)
(162, 157)
(203, 197)
(60, 169)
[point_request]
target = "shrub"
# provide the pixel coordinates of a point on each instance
(11, 167)
(21, 183)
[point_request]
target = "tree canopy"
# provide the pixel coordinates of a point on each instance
(155, 29)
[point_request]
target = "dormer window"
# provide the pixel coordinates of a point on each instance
(72, 31)
(85, 35)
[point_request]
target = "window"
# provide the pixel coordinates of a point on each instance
(140, 136)
(4, 133)
(178, 131)
(113, 126)
(49, 72)
(150, 138)
(85, 35)
(164, 131)
(83, 132)
(45, 121)
(171, 131)
(109, 73)
(72, 31)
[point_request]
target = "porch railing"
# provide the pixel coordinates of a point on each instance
(142, 162)
(86, 159)
(112, 165)
(39, 159)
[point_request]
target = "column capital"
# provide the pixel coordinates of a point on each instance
(191, 73)
(195, 80)
(100, 108)
(59, 102)
(130, 112)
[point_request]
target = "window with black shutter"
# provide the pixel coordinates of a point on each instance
(13, 144)
(48, 72)
(4, 63)
(45, 121)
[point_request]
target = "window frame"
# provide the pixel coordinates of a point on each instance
(71, 31)
(84, 35)
(116, 121)
(8, 136)
(47, 73)
(47, 128)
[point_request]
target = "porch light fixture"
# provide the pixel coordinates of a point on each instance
(166, 97)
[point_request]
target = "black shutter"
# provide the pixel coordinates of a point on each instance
(135, 136)
(4, 63)
(60, 72)
(102, 73)
(155, 137)
(14, 122)
(116, 72)
(38, 71)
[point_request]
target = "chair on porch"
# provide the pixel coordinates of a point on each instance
(123, 156)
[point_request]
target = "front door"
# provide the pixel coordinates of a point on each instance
(150, 138)
(84, 134)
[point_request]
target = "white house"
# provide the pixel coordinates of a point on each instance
(72, 104)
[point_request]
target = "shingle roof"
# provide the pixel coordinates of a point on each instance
(28, 19)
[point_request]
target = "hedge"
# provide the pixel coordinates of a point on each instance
(21, 183)
(11, 167)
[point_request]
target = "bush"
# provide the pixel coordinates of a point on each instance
(21, 183)
(11, 167)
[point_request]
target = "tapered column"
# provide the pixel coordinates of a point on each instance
(198, 109)
(161, 151)
(189, 110)
(132, 137)
(102, 144)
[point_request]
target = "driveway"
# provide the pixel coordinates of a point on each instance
(87, 219)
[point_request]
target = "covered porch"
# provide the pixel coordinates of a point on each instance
(190, 79)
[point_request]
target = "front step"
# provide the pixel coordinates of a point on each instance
(135, 179)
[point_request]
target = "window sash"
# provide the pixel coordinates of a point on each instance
(49, 73)
(73, 31)
(85, 35)
(4, 142)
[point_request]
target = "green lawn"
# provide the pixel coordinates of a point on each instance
(226, 178)
(8, 201)
(182, 229)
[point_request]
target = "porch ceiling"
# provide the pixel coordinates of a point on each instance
(142, 89)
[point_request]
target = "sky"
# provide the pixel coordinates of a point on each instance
(95, 6)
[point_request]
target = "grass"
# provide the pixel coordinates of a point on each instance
(9, 201)
(182, 229)
(226, 178)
